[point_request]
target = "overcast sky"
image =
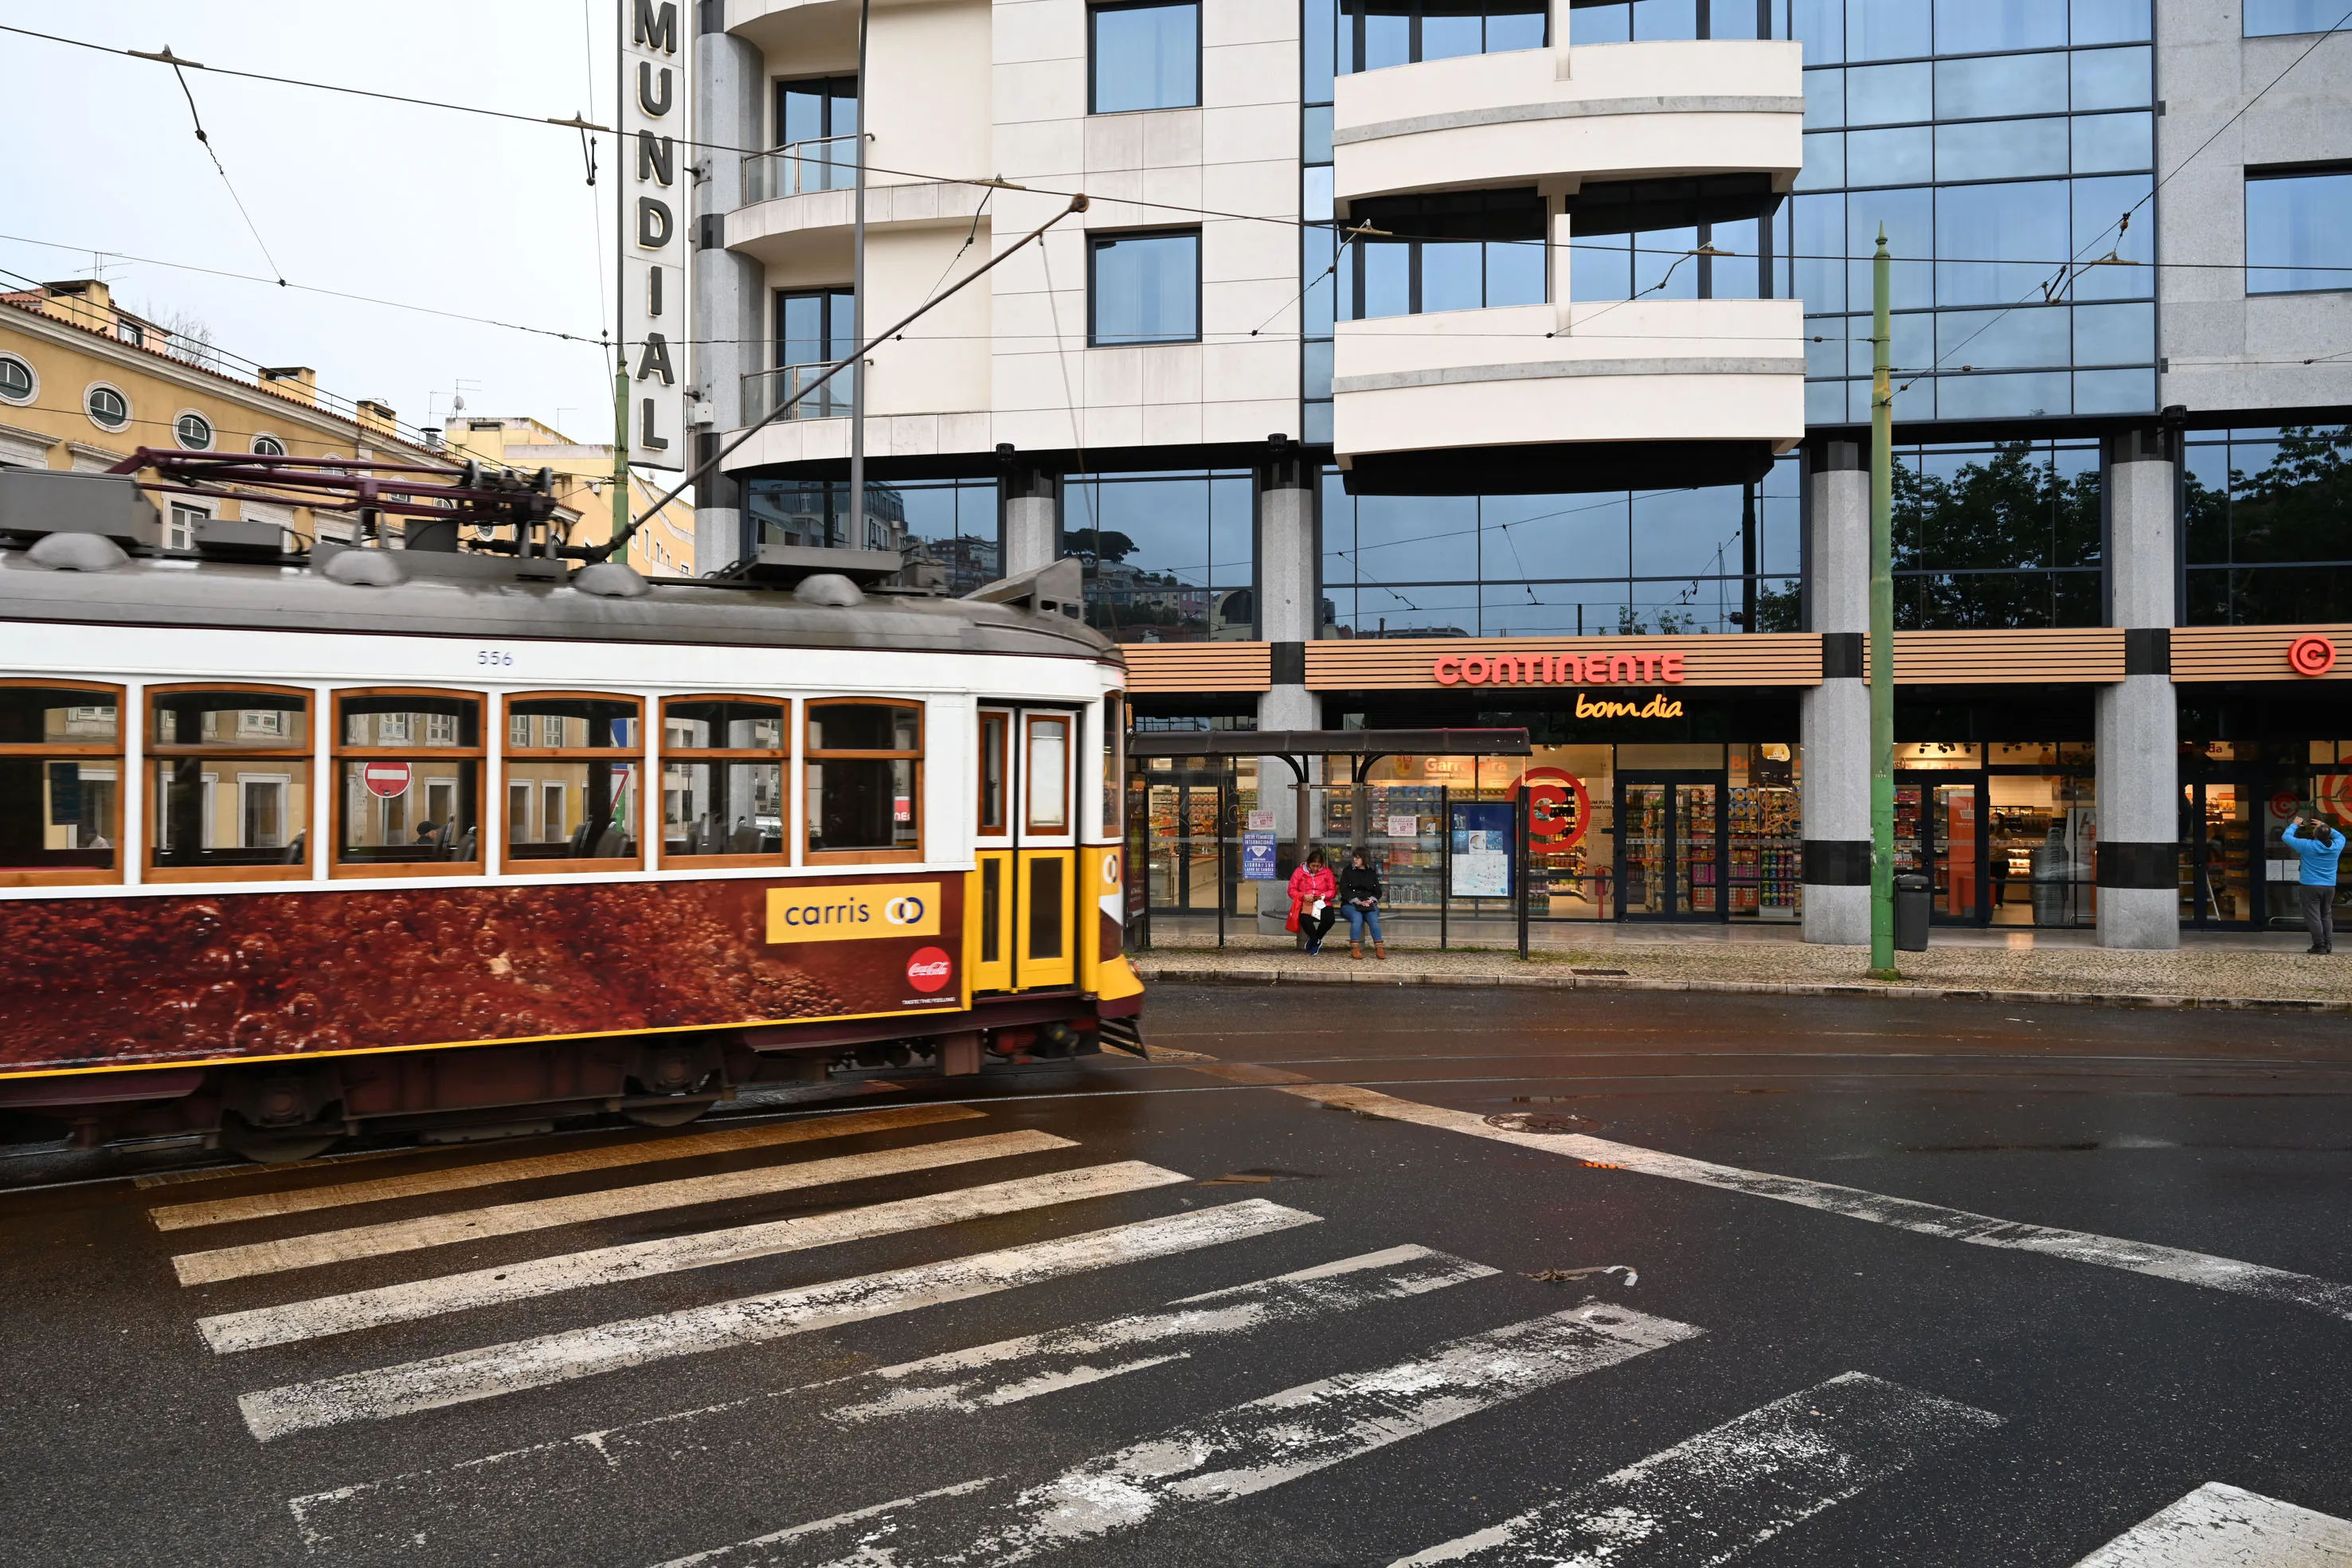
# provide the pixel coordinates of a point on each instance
(458, 212)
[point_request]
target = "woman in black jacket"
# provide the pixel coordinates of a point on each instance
(1360, 898)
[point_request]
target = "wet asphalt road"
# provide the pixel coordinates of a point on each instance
(2025, 1397)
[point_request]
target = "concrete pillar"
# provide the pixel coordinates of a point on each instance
(729, 304)
(1033, 527)
(2139, 725)
(1289, 614)
(1834, 719)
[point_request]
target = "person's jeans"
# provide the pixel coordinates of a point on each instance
(1360, 918)
(2319, 915)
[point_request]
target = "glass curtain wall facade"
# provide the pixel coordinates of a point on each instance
(1168, 557)
(945, 530)
(1995, 536)
(2002, 143)
(2266, 526)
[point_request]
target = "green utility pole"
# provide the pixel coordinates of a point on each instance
(1882, 621)
(621, 453)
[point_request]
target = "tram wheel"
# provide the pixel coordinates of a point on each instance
(665, 1115)
(267, 1148)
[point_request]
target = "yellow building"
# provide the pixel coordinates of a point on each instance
(85, 382)
(663, 547)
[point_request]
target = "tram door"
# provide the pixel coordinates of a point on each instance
(1028, 855)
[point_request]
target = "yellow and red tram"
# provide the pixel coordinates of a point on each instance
(372, 838)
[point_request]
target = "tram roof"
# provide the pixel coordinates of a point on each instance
(180, 591)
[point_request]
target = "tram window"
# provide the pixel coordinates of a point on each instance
(60, 777)
(723, 780)
(581, 754)
(1114, 761)
(865, 780)
(408, 767)
(995, 734)
(229, 795)
(1048, 775)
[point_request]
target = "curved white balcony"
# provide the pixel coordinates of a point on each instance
(1718, 381)
(1596, 111)
(800, 208)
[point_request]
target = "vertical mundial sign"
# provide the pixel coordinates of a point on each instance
(656, 173)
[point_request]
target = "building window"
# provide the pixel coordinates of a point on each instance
(1463, 250)
(816, 125)
(1997, 537)
(231, 772)
(107, 408)
(1377, 33)
(268, 447)
(814, 327)
(1673, 239)
(406, 808)
(1144, 288)
(17, 383)
(60, 772)
(131, 332)
(865, 780)
(1168, 558)
(2268, 18)
(2298, 231)
(723, 778)
(1719, 559)
(2266, 526)
(180, 533)
(1144, 56)
(1650, 21)
(192, 430)
(582, 747)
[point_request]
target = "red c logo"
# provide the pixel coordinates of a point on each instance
(1550, 823)
(928, 969)
(2311, 655)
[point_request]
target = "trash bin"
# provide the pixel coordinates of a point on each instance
(1914, 898)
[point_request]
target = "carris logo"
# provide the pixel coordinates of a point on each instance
(929, 969)
(904, 912)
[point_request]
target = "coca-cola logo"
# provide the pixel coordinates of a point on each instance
(929, 969)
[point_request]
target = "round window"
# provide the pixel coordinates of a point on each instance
(16, 380)
(268, 447)
(109, 409)
(194, 431)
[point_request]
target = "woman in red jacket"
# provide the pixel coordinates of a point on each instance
(1314, 900)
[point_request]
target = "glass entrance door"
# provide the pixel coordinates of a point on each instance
(2220, 871)
(1670, 846)
(1939, 834)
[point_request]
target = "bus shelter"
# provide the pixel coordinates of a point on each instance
(1217, 819)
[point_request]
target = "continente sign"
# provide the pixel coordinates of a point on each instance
(1599, 669)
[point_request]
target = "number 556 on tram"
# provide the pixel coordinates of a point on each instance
(293, 847)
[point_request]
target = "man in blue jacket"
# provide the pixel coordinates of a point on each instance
(2318, 844)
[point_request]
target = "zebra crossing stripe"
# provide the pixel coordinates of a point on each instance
(381, 1519)
(569, 1162)
(499, 1369)
(2214, 1273)
(2219, 1526)
(1712, 1498)
(1235, 1453)
(639, 1260)
(541, 1214)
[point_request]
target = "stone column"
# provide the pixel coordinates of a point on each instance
(1032, 531)
(1834, 723)
(729, 304)
(2139, 725)
(1289, 615)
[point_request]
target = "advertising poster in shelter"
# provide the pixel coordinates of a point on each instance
(1482, 849)
(1257, 857)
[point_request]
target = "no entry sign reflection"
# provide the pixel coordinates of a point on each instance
(385, 779)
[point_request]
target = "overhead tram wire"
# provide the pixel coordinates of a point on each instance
(218, 167)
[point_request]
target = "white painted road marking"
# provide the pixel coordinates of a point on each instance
(1235, 1453)
(1713, 1498)
(2219, 1526)
(2214, 1273)
(570, 1161)
(541, 1214)
(500, 1369)
(463, 1510)
(637, 1259)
